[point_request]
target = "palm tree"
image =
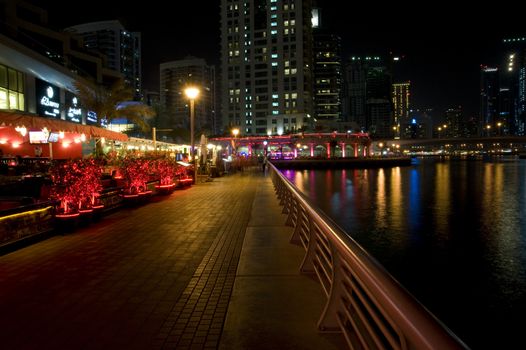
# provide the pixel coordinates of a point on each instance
(108, 103)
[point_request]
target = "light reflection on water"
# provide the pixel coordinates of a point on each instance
(453, 233)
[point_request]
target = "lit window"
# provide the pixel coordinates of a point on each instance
(3, 99)
(273, 32)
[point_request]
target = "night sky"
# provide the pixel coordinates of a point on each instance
(443, 44)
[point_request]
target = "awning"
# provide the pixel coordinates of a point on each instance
(32, 121)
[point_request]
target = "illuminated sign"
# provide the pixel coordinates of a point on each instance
(48, 99)
(36, 137)
(91, 118)
(74, 113)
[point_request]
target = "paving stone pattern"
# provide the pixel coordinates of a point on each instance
(155, 276)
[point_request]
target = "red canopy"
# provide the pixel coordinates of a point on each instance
(32, 121)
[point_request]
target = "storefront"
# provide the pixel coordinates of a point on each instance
(40, 115)
(28, 135)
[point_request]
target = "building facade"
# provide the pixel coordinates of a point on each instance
(266, 63)
(175, 76)
(39, 111)
(513, 78)
(121, 48)
(369, 95)
(489, 99)
(401, 106)
(328, 78)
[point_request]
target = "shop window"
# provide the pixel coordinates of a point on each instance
(11, 89)
(3, 99)
(3, 76)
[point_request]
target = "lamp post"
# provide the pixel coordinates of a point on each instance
(192, 93)
(235, 132)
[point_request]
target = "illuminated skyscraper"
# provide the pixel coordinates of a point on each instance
(266, 65)
(514, 79)
(489, 99)
(401, 105)
(327, 77)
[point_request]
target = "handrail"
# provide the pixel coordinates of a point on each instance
(364, 302)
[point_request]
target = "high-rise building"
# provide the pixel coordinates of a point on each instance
(266, 64)
(369, 95)
(175, 76)
(489, 99)
(328, 78)
(513, 77)
(454, 123)
(121, 47)
(401, 106)
(28, 25)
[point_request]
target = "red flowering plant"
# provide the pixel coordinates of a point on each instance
(76, 184)
(136, 174)
(91, 182)
(165, 169)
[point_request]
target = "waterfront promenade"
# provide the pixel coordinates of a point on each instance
(207, 267)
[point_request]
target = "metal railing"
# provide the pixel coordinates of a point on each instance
(364, 302)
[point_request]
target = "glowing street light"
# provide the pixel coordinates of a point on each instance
(235, 132)
(192, 93)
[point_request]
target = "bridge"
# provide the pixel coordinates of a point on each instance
(326, 145)
(514, 144)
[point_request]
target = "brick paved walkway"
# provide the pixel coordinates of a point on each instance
(156, 276)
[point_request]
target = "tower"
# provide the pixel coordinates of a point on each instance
(175, 76)
(401, 106)
(121, 47)
(266, 65)
(489, 99)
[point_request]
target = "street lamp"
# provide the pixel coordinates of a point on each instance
(235, 132)
(192, 92)
(499, 124)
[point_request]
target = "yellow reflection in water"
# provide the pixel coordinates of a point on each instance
(442, 195)
(299, 178)
(396, 198)
(381, 212)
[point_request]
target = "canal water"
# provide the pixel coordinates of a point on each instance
(453, 232)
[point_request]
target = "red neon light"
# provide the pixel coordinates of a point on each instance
(130, 195)
(85, 211)
(165, 186)
(67, 215)
(98, 206)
